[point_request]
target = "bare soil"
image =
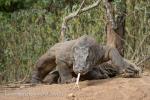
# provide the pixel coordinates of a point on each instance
(106, 89)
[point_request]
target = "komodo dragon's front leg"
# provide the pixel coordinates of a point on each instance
(43, 66)
(64, 72)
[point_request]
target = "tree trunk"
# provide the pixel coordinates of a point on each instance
(115, 34)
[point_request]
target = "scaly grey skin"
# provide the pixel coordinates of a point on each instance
(78, 56)
(102, 71)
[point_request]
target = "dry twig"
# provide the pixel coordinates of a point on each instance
(145, 59)
(74, 14)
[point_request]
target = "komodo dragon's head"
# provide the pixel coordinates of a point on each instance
(84, 54)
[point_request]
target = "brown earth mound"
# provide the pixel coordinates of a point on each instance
(107, 89)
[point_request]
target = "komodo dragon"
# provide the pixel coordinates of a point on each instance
(78, 56)
(102, 71)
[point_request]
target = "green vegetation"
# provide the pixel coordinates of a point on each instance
(29, 27)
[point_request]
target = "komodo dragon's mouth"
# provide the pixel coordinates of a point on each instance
(82, 72)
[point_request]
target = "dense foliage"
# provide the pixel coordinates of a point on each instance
(29, 27)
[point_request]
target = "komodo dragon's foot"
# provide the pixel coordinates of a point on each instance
(132, 71)
(35, 79)
(72, 80)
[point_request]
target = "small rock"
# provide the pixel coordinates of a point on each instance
(71, 95)
(22, 86)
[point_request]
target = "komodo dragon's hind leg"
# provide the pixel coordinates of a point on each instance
(123, 66)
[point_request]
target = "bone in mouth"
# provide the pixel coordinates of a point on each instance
(77, 80)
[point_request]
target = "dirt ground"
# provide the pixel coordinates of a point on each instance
(106, 89)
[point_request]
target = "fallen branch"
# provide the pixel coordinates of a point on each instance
(142, 61)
